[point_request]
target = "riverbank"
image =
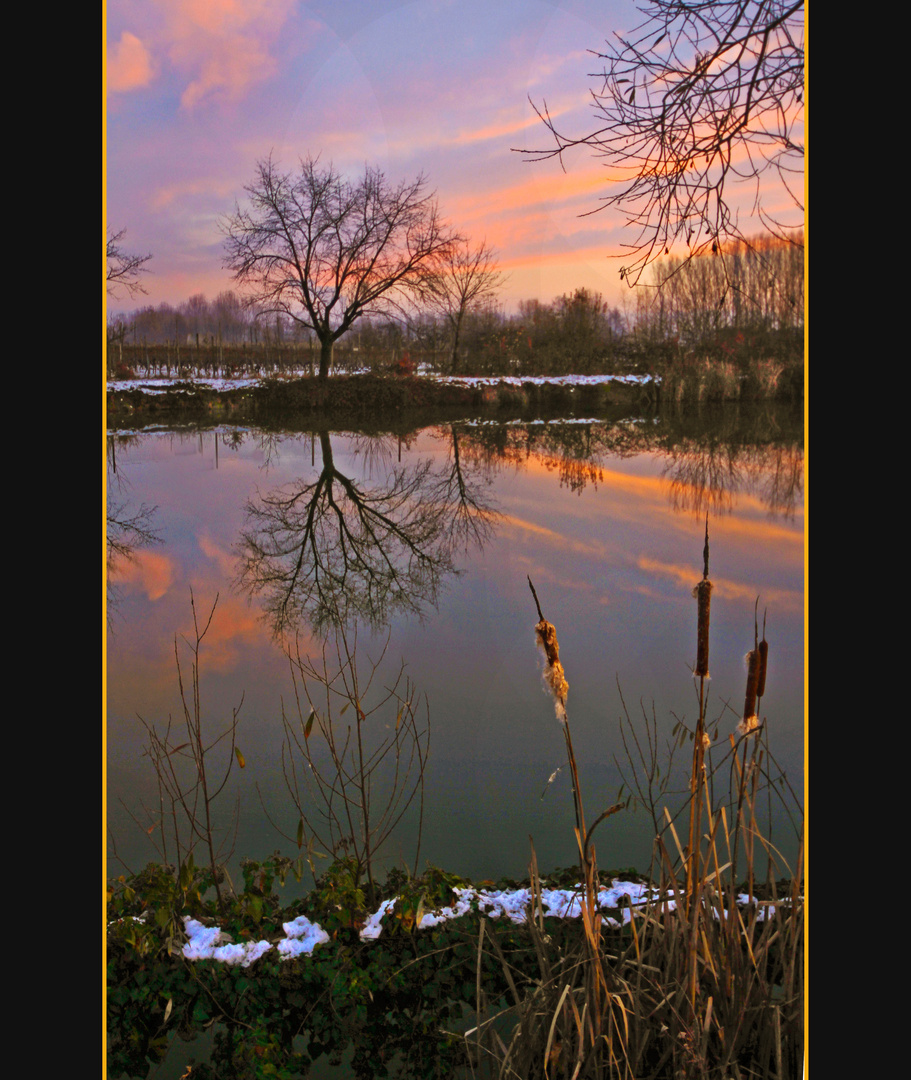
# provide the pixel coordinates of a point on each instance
(434, 971)
(369, 394)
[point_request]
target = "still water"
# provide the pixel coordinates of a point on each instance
(429, 539)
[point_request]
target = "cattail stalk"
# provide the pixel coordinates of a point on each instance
(597, 989)
(703, 594)
(555, 681)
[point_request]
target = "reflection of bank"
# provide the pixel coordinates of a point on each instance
(337, 549)
(706, 472)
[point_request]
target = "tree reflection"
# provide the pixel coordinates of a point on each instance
(463, 485)
(339, 548)
(707, 476)
(129, 529)
(705, 472)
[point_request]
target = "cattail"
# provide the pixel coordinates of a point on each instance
(554, 676)
(750, 720)
(703, 593)
(763, 664)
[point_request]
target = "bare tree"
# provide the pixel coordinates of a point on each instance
(465, 278)
(123, 269)
(703, 95)
(325, 250)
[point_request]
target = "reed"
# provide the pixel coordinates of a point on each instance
(189, 781)
(705, 980)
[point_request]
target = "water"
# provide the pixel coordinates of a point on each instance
(430, 539)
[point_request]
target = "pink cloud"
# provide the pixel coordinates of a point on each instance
(226, 561)
(148, 571)
(129, 65)
(208, 186)
(223, 46)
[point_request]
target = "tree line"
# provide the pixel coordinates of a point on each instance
(754, 290)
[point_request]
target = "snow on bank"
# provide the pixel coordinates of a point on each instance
(210, 943)
(302, 936)
(162, 386)
(542, 380)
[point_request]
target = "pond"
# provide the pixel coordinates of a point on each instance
(428, 539)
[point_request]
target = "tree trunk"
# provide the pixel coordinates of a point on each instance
(325, 358)
(456, 334)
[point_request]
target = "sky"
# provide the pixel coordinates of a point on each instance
(198, 91)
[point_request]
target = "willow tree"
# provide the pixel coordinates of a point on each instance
(325, 250)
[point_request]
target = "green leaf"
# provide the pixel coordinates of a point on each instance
(240, 757)
(308, 727)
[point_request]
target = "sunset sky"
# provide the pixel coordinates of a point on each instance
(199, 90)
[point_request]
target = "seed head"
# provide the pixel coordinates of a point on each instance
(703, 594)
(554, 676)
(763, 664)
(750, 721)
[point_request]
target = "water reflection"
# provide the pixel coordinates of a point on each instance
(705, 473)
(130, 529)
(381, 537)
(602, 515)
(342, 547)
(707, 478)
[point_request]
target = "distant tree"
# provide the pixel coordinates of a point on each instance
(464, 279)
(325, 250)
(196, 312)
(703, 94)
(230, 317)
(754, 285)
(123, 269)
(583, 330)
